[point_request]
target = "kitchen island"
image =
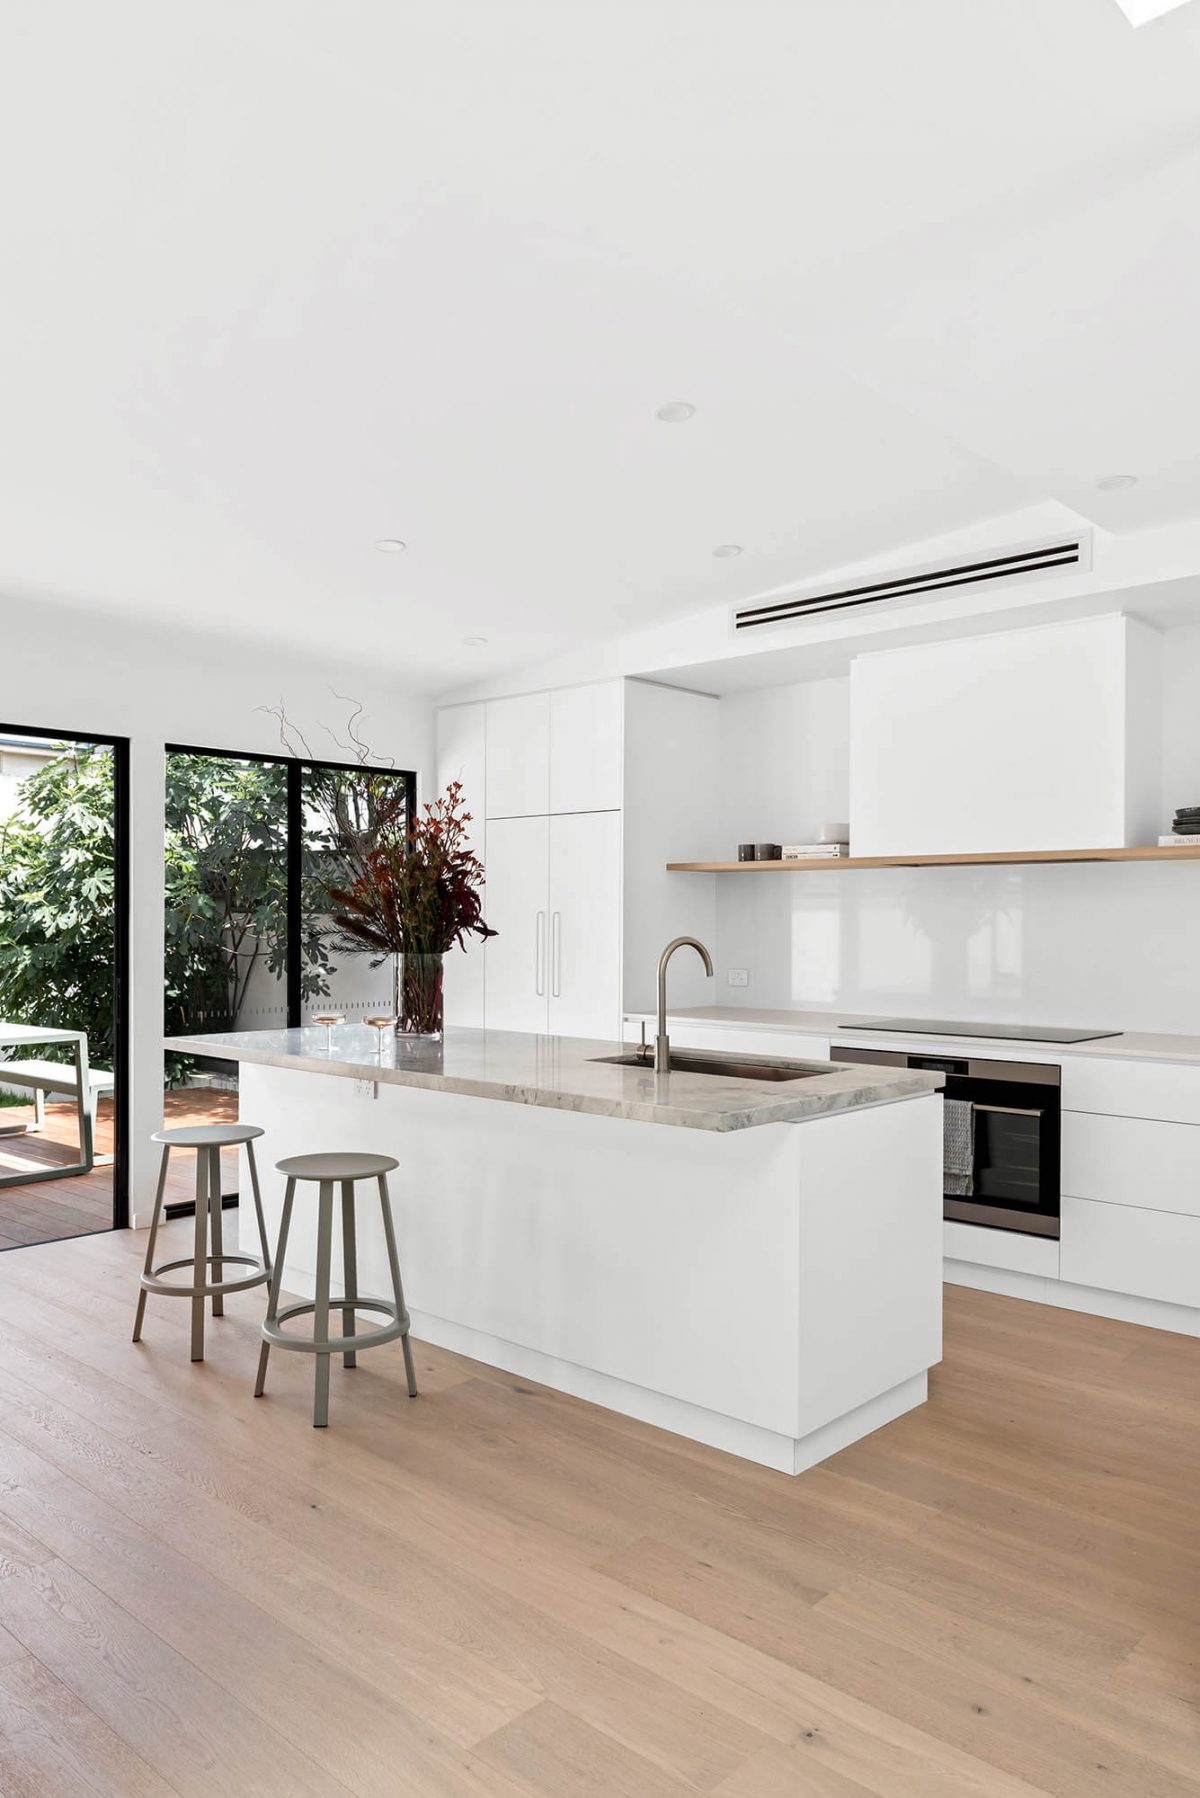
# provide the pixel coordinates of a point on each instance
(750, 1260)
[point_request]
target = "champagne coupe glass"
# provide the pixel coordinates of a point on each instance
(329, 1019)
(382, 1025)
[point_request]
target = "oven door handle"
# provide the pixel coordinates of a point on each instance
(1012, 1111)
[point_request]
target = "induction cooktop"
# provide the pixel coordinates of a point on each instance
(1020, 1033)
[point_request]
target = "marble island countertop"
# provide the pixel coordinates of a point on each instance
(564, 1074)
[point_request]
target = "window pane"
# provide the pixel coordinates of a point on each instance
(346, 811)
(226, 929)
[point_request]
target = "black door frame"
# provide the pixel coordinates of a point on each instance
(294, 824)
(121, 878)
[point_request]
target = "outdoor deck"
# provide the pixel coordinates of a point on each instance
(47, 1210)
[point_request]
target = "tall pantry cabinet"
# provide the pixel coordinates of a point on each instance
(543, 775)
(580, 797)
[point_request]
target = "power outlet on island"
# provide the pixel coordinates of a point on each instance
(365, 1089)
(738, 976)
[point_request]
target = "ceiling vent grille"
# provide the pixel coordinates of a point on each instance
(1058, 552)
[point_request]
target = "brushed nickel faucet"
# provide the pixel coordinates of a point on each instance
(662, 1042)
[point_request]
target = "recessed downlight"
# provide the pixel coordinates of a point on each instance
(674, 412)
(1117, 483)
(390, 546)
(474, 642)
(724, 550)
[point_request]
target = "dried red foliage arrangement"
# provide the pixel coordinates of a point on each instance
(418, 893)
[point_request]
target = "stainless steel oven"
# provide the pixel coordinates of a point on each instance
(1003, 1125)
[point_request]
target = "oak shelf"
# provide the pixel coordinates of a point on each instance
(1187, 852)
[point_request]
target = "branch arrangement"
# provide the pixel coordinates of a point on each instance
(418, 893)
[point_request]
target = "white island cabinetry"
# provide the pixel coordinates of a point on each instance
(752, 1263)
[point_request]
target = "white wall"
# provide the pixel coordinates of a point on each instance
(1093, 944)
(62, 669)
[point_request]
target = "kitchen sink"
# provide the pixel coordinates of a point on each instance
(722, 1067)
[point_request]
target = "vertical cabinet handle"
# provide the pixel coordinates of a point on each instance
(556, 954)
(539, 966)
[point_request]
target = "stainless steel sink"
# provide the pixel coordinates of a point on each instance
(722, 1067)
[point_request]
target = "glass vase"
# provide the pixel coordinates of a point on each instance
(417, 996)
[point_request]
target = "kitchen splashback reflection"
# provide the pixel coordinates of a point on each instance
(1075, 944)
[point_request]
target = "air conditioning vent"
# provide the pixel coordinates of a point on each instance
(1041, 558)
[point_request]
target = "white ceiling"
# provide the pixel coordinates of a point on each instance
(282, 278)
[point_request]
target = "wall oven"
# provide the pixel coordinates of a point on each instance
(1002, 1134)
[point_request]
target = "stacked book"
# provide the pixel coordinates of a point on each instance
(1186, 828)
(815, 852)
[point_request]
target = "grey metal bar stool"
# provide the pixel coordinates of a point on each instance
(208, 1140)
(328, 1171)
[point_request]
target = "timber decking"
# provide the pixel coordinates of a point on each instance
(48, 1210)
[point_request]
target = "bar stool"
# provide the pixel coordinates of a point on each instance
(326, 1171)
(208, 1140)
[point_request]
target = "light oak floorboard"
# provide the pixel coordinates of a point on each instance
(499, 1590)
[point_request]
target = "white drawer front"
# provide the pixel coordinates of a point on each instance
(1153, 1254)
(1132, 1089)
(792, 1045)
(1000, 1248)
(1131, 1161)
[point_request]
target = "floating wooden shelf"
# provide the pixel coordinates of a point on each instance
(1187, 852)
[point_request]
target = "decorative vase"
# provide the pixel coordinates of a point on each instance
(417, 996)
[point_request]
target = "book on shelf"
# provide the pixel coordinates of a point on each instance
(814, 852)
(1171, 842)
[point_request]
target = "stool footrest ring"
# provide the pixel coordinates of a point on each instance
(397, 1325)
(154, 1282)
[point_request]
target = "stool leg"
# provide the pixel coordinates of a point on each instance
(258, 1210)
(349, 1267)
(321, 1304)
(148, 1268)
(389, 1231)
(200, 1251)
(216, 1208)
(285, 1224)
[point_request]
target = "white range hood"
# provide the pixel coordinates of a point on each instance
(1031, 739)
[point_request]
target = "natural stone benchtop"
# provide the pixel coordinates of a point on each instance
(563, 1074)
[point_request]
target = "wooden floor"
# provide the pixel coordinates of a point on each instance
(493, 1589)
(48, 1210)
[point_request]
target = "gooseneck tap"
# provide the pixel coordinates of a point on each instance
(662, 1042)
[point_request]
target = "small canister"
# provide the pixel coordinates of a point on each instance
(745, 852)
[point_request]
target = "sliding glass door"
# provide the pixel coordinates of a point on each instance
(253, 846)
(63, 977)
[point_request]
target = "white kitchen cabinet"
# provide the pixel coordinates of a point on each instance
(1132, 1089)
(586, 743)
(1011, 1250)
(1151, 1254)
(1140, 1162)
(555, 752)
(518, 756)
(518, 905)
(461, 756)
(585, 924)
(554, 899)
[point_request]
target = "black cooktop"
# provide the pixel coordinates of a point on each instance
(1018, 1033)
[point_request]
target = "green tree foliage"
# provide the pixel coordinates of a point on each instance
(226, 890)
(226, 894)
(56, 899)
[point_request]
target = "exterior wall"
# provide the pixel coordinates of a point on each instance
(73, 670)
